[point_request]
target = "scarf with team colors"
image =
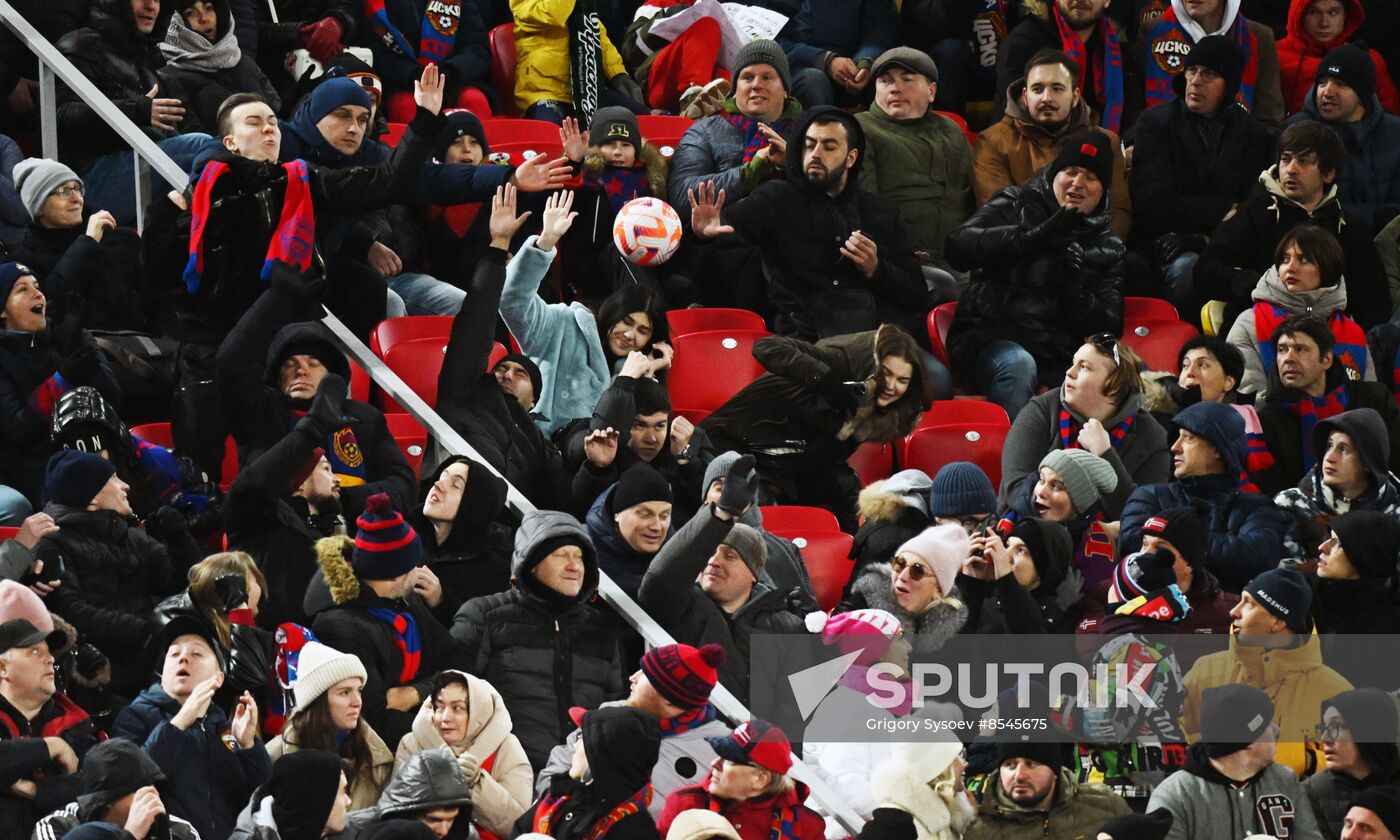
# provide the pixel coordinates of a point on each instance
(436, 39)
(1350, 351)
(1069, 431)
(551, 805)
(405, 631)
(1108, 82)
(1167, 45)
(1309, 410)
(293, 242)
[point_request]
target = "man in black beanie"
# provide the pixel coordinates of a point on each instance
(1344, 97)
(1374, 815)
(1358, 730)
(308, 800)
(629, 522)
(1033, 790)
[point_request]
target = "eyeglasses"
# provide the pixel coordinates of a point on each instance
(1107, 344)
(916, 570)
(67, 190)
(1331, 731)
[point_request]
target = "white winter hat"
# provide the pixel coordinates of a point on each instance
(319, 667)
(700, 823)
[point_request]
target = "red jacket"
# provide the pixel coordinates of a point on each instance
(1299, 55)
(752, 818)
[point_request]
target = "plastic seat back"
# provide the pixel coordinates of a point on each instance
(1158, 342)
(931, 447)
(939, 320)
(802, 518)
(502, 40)
(687, 321)
(710, 367)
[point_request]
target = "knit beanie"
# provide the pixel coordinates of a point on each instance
(1049, 753)
(748, 541)
(1089, 150)
(352, 67)
(765, 52)
(1384, 802)
(1352, 66)
(305, 470)
(303, 787)
(1051, 548)
(943, 548)
(1086, 476)
(912, 487)
(1371, 542)
(615, 123)
(887, 823)
(19, 601)
(1285, 593)
(1222, 426)
(74, 478)
(37, 178)
(718, 469)
(1138, 574)
(1233, 717)
(961, 489)
(1183, 528)
(385, 545)
(334, 93)
(320, 667)
(639, 484)
(532, 370)
(700, 824)
(459, 122)
(682, 674)
(1372, 719)
(868, 631)
(10, 273)
(1221, 54)
(1153, 825)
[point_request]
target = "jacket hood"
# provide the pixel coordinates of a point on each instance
(1353, 133)
(1081, 116)
(115, 20)
(1356, 16)
(1195, 30)
(482, 501)
(1269, 178)
(488, 720)
(304, 338)
(547, 525)
(854, 132)
(622, 745)
(255, 820)
(1322, 301)
(887, 501)
(1368, 434)
(429, 779)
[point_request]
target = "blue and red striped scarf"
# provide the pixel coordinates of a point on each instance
(687, 721)
(753, 138)
(1350, 351)
(551, 805)
(1167, 45)
(1108, 81)
(1069, 430)
(436, 38)
(294, 241)
(1309, 410)
(41, 399)
(405, 636)
(621, 184)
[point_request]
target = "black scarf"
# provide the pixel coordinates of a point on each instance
(585, 58)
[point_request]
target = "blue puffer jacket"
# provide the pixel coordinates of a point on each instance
(207, 782)
(822, 29)
(1369, 184)
(1245, 529)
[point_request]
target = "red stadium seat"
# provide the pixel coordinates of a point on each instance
(8, 533)
(392, 331)
(418, 362)
(516, 153)
(1148, 309)
(826, 554)
(503, 66)
(710, 367)
(953, 412)
(798, 518)
(873, 462)
(410, 436)
(939, 320)
(664, 131)
(359, 382)
(1158, 342)
(931, 447)
(962, 123)
(500, 131)
(687, 321)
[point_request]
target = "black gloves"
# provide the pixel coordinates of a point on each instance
(1169, 246)
(845, 397)
(232, 590)
(740, 486)
(66, 334)
(628, 87)
(327, 415)
(166, 523)
(1060, 225)
(81, 365)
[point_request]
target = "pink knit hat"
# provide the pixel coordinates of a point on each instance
(868, 631)
(18, 601)
(943, 548)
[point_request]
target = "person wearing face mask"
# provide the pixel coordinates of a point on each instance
(1358, 730)
(543, 645)
(916, 587)
(204, 64)
(469, 717)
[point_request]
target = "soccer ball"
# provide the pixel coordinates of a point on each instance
(647, 231)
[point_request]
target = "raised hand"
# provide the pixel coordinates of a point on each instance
(197, 704)
(141, 814)
(166, 114)
(740, 487)
(504, 223)
(427, 91)
(557, 219)
(662, 361)
(99, 223)
(34, 528)
(245, 721)
(681, 432)
(636, 365)
(539, 174)
(776, 150)
(575, 142)
(705, 207)
(426, 585)
(601, 447)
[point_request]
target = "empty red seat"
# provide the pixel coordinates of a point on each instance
(391, 331)
(950, 412)
(826, 554)
(1158, 342)
(687, 321)
(1148, 309)
(516, 153)
(710, 367)
(410, 436)
(418, 363)
(939, 320)
(798, 518)
(664, 131)
(502, 130)
(394, 134)
(873, 462)
(503, 66)
(931, 447)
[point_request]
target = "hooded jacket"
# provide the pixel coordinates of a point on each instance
(1011, 152)
(799, 229)
(106, 274)
(751, 818)
(1299, 54)
(1076, 810)
(1206, 805)
(1294, 678)
(1369, 184)
(365, 785)
(202, 75)
(927, 630)
(542, 651)
(1242, 248)
(502, 792)
(889, 518)
(1330, 792)
(428, 780)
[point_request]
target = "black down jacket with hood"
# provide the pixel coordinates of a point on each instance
(429, 780)
(543, 652)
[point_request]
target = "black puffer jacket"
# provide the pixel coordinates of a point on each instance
(113, 576)
(107, 274)
(1045, 299)
(541, 651)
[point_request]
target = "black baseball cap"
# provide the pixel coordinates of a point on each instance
(18, 632)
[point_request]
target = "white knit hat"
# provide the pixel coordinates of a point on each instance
(700, 823)
(944, 548)
(320, 667)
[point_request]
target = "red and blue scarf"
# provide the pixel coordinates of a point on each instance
(1069, 430)
(437, 37)
(405, 637)
(552, 805)
(622, 184)
(41, 400)
(1167, 46)
(294, 241)
(1350, 351)
(687, 721)
(1108, 82)
(1309, 410)
(753, 138)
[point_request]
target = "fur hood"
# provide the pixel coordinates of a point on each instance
(333, 556)
(655, 165)
(934, 819)
(876, 504)
(927, 631)
(1036, 9)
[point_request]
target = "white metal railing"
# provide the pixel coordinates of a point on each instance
(53, 65)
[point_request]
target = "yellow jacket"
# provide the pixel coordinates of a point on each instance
(542, 52)
(1296, 681)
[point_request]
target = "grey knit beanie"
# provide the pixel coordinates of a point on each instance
(961, 489)
(765, 52)
(717, 470)
(1086, 476)
(36, 178)
(750, 545)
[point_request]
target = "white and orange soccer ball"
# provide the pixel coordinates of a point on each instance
(647, 231)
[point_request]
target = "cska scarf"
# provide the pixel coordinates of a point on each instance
(1350, 351)
(436, 38)
(1069, 431)
(1167, 45)
(405, 637)
(621, 185)
(294, 241)
(1094, 558)
(1309, 410)
(1108, 82)
(687, 721)
(550, 806)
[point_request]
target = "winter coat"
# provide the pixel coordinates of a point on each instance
(14, 216)
(1141, 458)
(502, 792)
(107, 274)
(1299, 54)
(29, 386)
(468, 62)
(1331, 793)
(751, 818)
(542, 43)
(684, 759)
(1076, 810)
(1284, 436)
(1245, 530)
(113, 575)
(1369, 184)
(670, 593)
(1045, 298)
(886, 524)
(428, 781)
(924, 165)
(1209, 616)
(927, 631)
(61, 718)
(472, 403)
(1294, 678)
(1206, 805)
(1345, 609)
(797, 227)
(1180, 181)
(69, 822)
(207, 781)
(368, 782)
(542, 652)
(1005, 606)
(1244, 334)
(588, 246)
(1011, 152)
(190, 73)
(826, 29)
(1242, 248)
(930, 812)
(618, 560)
(712, 150)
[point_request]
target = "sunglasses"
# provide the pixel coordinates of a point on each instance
(1107, 344)
(917, 571)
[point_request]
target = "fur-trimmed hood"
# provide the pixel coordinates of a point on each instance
(938, 814)
(333, 556)
(651, 159)
(927, 631)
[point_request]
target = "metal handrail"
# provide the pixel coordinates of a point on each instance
(52, 63)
